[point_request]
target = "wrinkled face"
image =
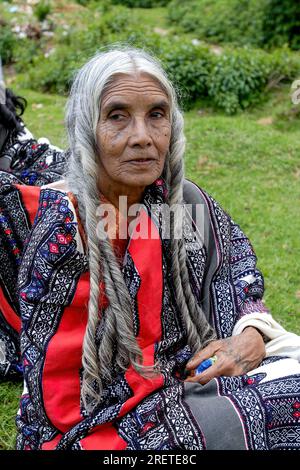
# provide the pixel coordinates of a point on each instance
(133, 133)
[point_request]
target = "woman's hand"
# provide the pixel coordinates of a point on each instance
(236, 355)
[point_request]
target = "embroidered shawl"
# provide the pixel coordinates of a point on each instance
(53, 295)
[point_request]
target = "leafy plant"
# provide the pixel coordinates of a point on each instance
(232, 21)
(282, 23)
(141, 3)
(7, 44)
(189, 68)
(259, 23)
(26, 51)
(42, 10)
(243, 77)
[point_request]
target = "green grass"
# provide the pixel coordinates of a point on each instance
(253, 170)
(9, 398)
(45, 116)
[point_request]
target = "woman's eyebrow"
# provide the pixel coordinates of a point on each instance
(160, 104)
(115, 105)
(163, 104)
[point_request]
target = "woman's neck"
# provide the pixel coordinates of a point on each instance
(114, 195)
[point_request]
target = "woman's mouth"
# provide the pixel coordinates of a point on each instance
(142, 161)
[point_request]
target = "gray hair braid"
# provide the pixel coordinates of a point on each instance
(199, 331)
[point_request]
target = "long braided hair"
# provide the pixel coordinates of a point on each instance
(109, 336)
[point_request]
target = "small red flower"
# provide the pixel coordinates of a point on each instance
(7, 231)
(296, 405)
(53, 248)
(250, 381)
(61, 239)
(34, 146)
(296, 414)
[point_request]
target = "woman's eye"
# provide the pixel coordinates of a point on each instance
(116, 117)
(157, 114)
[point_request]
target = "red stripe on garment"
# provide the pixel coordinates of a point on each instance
(103, 437)
(61, 380)
(30, 197)
(50, 445)
(61, 384)
(9, 314)
(147, 257)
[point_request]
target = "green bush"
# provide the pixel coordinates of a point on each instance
(240, 78)
(52, 74)
(7, 44)
(189, 68)
(42, 10)
(232, 21)
(187, 65)
(233, 80)
(141, 3)
(258, 23)
(83, 2)
(282, 23)
(25, 51)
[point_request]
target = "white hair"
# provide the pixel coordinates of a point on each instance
(109, 343)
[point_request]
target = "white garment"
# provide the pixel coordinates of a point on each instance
(284, 367)
(281, 342)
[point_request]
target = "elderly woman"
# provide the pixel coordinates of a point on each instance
(115, 323)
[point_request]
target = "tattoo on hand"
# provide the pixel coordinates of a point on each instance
(243, 363)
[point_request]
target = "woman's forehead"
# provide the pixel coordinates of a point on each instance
(139, 84)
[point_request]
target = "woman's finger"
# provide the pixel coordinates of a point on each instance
(205, 353)
(206, 376)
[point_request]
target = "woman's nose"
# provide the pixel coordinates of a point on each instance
(140, 135)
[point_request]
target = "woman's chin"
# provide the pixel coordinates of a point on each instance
(140, 179)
